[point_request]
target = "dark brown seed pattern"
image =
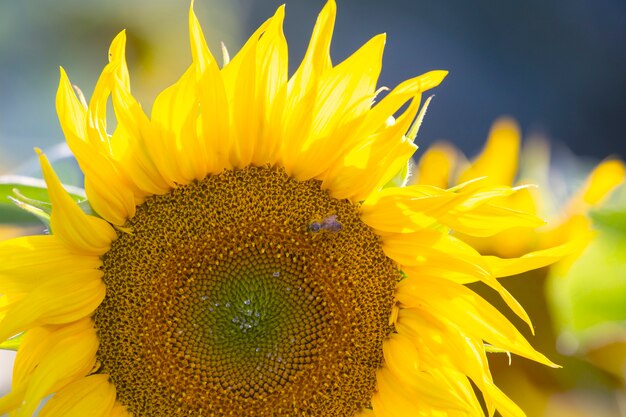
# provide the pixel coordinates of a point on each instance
(224, 301)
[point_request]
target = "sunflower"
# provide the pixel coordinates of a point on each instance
(245, 253)
(504, 162)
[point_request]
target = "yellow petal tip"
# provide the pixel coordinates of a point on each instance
(431, 79)
(116, 50)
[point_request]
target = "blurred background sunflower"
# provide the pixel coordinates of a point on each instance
(577, 304)
(530, 59)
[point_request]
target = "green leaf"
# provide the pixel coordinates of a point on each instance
(33, 188)
(610, 219)
(588, 301)
(22, 197)
(11, 214)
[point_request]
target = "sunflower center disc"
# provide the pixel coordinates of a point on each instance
(248, 293)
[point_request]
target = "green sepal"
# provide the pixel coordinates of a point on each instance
(39, 209)
(588, 301)
(403, 176)
(493, 349)
(12, 343)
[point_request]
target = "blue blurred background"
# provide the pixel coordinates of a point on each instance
(557, 66)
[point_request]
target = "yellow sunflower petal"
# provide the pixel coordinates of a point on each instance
(363, 170)
(64, 299)
(347, 90)
(377, 118)
(402, 360)
(4, 301)
(471, 212)
(214, 138)
(70, 110)
(432, 248)
(388, 402)
(393, 399)
(450, 347)
(246, 108)
(461, 307)
(436, 165)
(175, 114)
(316, 60)
(375, 150)
(407, 209)
(84, 233)
(499, 159)
(488, 219)
(504, 267)
(107, 190)
(240, 83)
(602, 180)
(97, 134)
(475, 213)
(129, 135)
(271, 86)
(133, 134)
(461, 385)
(428, 252)
(440, 346)
(134, 128)
(91, 396)
(516, 240)
(28, 360)
(300, 97)
(342, 94)
(28, 262)
(64, 357)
